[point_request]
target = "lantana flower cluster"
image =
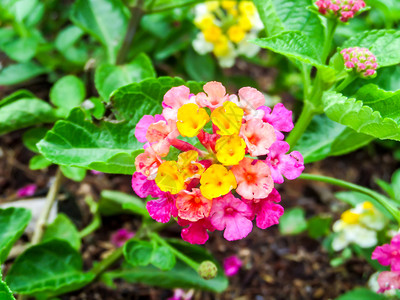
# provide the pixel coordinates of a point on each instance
(389, 255)
(225, 27)
(360, 60)
(340, 9)
(358, 225)
(231, 153)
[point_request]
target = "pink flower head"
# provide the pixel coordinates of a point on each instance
(233, 215)
(180, 294)
(143, 125)
(162, 208)
(253, 178)
(250, 99)
(196, 232)
(173, 100)
(192, 206)
(389, 254)
(280, 118)
(160, 136)
(340, 9)
(144, 187)
(27, 191)
(214, 96)
(289, 165)
(360, 60)
(266, 210)
(388, 281)
(94, 172)
(147, 163)
(232, 265)
(259, 136)
(119, 237)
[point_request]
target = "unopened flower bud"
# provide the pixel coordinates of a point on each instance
(340, 9)
(361, 60)
(207, 270)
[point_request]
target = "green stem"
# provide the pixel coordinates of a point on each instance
(354, 187)
(107, 262)
(136, 15)
(349, 79)
(92, 227)
(302, 123)
(191, 263)
(331, 28)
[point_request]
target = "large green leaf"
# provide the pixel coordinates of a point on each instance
(109, 77)
(374, 111)
(325, 137)
(13, 222)
(293, 44)
(48, 269)
(113, 202)
(361, 294)
(22, 109)
(291, 15)
(5, 292)
(18, 73)
(161, 5)
(384, 44)
(109, 147)
(180, 275)
(62, 228)
(106, 20)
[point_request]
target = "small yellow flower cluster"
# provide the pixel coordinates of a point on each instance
(225, 27)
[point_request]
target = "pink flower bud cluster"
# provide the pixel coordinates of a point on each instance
(342, 9)
(361, 60)
(389, 255)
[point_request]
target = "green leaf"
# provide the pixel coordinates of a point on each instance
(319, 226)
(94, 106)
(199, 67)
(109, 77)
(106, 20)
(39, 162)
(163, 258)
(293, 221)
(361, 294)
(48, 269)
(161, 5)
(181, 275)
(18, 73)
(67, 43)
(32, 136)
(5, 292)
(73, 173)
(396, 184)
(138, 253)
(374, 111)
(113, 202)
(62, 228)
(325, 137)
(67, 93)
(384, 44)
(21, 49)
(13, 222)
(292, 44)
(21, 109)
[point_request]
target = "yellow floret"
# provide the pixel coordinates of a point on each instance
(368, 205)
(230, 149)
(205, 22)
(244, 23)
(217, 181)
(212, 34)
(228, 4)
(350, 217)
(221, 46)
(228, 118)
(212, 5)
(191, 119)
(247, 8)
(236, 34)
(188, 166)
(168, 178)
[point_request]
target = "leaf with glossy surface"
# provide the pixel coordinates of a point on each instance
(361, 294)
(163, 258)
(62, 228)
(32, 136)
(48, 269)
(73, 173)
(5, 292)
(181, 275)
(374, 111)
(39, 162)
(138, 253)
(384, 44)
(13, 222)
(22, 109)
(325, 137)
(109, 77)
(106, 20)
(21, 72)
(113, 202)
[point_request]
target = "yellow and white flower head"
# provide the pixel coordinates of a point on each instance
(358, 225)
(225, 27)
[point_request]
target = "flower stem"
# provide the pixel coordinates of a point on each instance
(301, 125)
(330, 31)
(349, 79)
(51, 197)
(107, 262)
(187, 260)
(136, 16)
(354, 187)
